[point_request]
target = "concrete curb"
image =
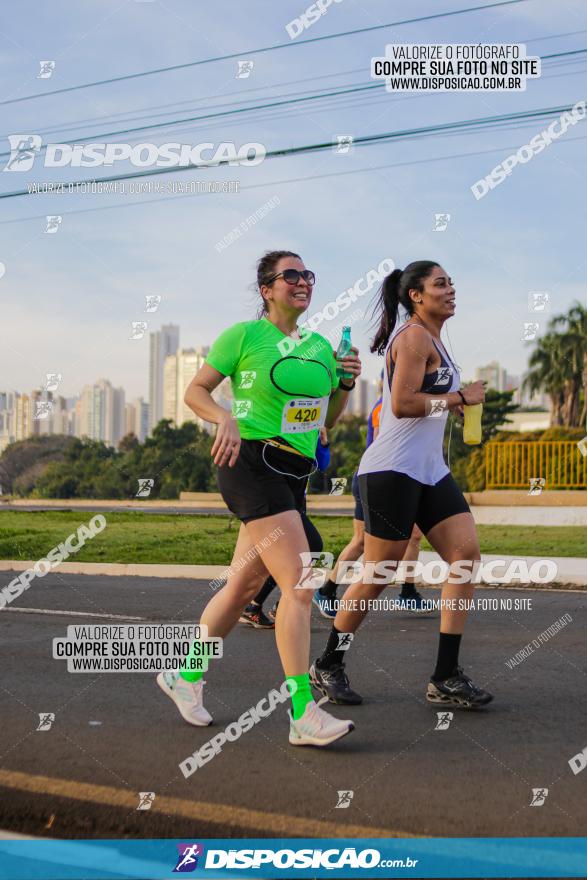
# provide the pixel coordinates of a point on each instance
(571, 570)
(121, 569)
(212, 500)
(572, 498)
(485, 514)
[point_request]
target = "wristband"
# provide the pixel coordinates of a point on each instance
(346, 387)
(462, 396)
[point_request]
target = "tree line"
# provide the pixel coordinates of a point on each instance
(177, 459)
(558, 367)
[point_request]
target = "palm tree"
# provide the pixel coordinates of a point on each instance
(548, 372)
(576, 320)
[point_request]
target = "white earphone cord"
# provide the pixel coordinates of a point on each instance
(283, 473)
(457, 366)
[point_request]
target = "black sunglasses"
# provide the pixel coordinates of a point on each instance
(292, 276)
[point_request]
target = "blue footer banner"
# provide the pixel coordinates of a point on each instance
(311, 858)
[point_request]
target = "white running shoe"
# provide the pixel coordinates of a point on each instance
(316, 727)
(187, 696)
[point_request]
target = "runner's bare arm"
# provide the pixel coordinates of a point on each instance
(339, 398)
(413, 349)
(198, 397)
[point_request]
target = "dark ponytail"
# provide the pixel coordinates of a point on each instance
(387, 305)
(395, 291)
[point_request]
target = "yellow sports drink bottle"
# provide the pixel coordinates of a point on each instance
(472, 428)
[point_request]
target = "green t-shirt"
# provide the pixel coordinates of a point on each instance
(276, 394)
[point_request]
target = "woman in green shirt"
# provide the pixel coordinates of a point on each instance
(285, 387)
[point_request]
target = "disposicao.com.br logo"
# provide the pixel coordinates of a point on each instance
(284, 859)
(24, 149)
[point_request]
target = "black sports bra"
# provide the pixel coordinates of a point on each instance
(440, 380)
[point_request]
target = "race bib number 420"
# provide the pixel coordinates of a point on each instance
(303, 414)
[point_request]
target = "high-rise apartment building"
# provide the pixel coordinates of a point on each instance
(22, 416)
(102, 413)
(493, 374)
(7, 418)
(163, 343)
(137, 419)
(500, 380)
(178, 371)
(359, 399)
(170, 388)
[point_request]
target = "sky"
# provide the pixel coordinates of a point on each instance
(69, 298)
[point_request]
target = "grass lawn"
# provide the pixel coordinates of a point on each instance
(182, 539)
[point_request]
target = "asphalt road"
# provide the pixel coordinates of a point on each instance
(115, 735)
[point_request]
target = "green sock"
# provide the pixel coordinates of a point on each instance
(194, 660)
(302, 695)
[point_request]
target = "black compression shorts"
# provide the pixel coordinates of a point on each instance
(264, 481)
(358, 514)
(393, 502)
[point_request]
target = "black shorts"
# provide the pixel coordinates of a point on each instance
(264, 481)
(358, 514)
(393, 502)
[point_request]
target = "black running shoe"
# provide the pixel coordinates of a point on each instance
(253, 615)
(334, 684)
(457, 690)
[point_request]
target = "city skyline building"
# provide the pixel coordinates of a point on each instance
(358, 403)
(137, 419)
(163, 342)
(493, 374)
(100, 411)
(178, 371)
(499, 379)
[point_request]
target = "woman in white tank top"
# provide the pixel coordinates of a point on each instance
(404, 479)
(413, 446)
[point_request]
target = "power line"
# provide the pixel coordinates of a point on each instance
(560, 54)
(149, 111)
(244, 52)
(244, 90)
(555, 36)
(370, 168)
(231, 112)
(350, 103)
(219, 114)
(365, 140)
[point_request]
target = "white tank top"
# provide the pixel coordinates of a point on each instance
(412, 446)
